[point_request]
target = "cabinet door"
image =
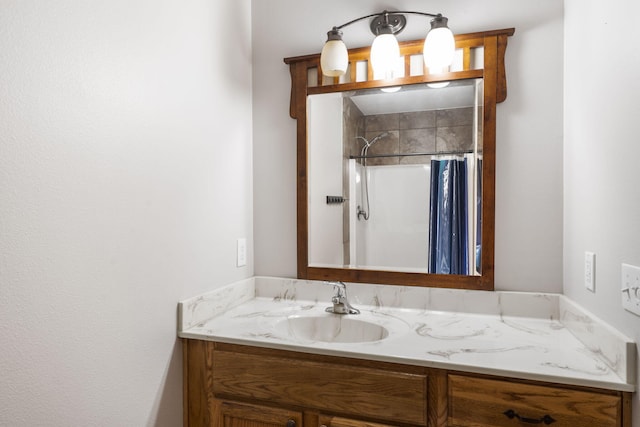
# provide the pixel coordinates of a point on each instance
(233, 414)
(331, 421)
(480, 402)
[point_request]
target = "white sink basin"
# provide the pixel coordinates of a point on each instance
(332, 328)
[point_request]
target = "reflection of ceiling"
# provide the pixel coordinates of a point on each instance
(413, 99)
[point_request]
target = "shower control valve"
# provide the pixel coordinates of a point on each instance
(335, 199)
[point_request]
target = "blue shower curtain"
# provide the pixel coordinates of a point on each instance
(448, 222)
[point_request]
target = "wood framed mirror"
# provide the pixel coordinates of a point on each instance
(338, 122)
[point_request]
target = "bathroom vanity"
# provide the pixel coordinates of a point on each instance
(434, 350)
(264, 352)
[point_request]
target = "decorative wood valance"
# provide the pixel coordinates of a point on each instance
(476, 54)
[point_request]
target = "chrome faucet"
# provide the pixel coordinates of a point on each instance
(340, 303)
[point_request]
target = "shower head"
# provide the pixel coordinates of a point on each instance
(367, 143)
(382, 135)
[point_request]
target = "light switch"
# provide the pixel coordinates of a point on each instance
(590, 271)
(241, 259)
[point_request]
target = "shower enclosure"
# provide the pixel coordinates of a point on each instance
(396, 233)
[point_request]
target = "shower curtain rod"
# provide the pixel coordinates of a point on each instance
(373, 156)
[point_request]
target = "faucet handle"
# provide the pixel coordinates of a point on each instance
(336, 283)
(340, 288)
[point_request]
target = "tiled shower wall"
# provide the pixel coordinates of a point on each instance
(415, 132)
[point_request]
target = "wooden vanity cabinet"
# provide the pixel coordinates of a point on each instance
(227, 385)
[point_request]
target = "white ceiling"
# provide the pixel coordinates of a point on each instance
(416, 98)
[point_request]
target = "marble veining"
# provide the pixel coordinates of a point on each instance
(599, 338)
(523, 335)
(447, 354)
(195, 311)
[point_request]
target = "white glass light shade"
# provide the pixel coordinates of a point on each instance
(391, 89)
(334, 58)
(397, 72)
(396, 66)
(439, 48)
(384, 55)
(438, 85)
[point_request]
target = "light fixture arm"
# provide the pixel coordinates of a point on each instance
(387, 13)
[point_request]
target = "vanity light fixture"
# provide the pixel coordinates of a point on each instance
(439, 45)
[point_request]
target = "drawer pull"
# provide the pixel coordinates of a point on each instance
(291, 423)
(547, 419)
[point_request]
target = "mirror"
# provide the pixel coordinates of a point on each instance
(358, 135)
(395, 179)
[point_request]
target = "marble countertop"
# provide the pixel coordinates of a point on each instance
(534, 336)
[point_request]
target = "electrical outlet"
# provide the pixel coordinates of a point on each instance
(631, 288)
(241, 258)
(590, 271)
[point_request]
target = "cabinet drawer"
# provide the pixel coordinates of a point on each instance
(487, 403)
(340, 389)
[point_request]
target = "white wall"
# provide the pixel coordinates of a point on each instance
(325, 179)
(125, 180)
(602, 155)
(529, 125)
